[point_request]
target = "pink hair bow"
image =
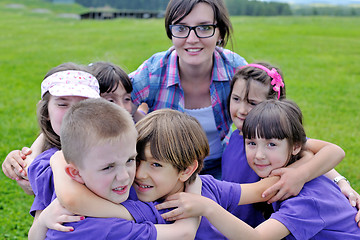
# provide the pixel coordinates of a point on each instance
(277, 81)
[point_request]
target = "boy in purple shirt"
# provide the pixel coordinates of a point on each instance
(99, 143)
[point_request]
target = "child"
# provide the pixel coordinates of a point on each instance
(171, 147)
(115, 86)
(274, 137)
(251, 85)
(16, 163)
(59, 91)
(99, 144)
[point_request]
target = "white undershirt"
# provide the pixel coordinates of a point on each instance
(206, 118)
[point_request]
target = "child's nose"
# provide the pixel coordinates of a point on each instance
(122, 175)
(260, 154)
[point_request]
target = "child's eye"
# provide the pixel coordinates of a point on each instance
(271, 144)
(236, 99)
(253, 103)
(62, 104)
(108, 167)
(156, 165)
(250, 143)
(131, 160)
(127, 99)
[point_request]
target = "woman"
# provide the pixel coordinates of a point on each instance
(193, 76)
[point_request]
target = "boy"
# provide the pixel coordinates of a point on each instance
(99, 144)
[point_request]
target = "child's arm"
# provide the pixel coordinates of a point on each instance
(185, 206)
(79, 199)
(38, 229)
(293, 177)
(52, 217)
(348, 191)
(231, 226)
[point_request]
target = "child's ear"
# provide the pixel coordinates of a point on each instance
(296, 149)
(73, 172)
(184, 175)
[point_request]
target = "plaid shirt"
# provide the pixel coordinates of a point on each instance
(157, 83)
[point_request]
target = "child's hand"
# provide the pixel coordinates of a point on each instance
(290, 184)
(353, 196)
(186, 205)
(14, 164)
(55, 215)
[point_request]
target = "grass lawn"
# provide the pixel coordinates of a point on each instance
(319, 57)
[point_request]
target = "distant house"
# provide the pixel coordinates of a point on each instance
(121, 14)
(62, 1)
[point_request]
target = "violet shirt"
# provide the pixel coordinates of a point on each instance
(320, 211)
(235, 168)
(157, 83)
(142, 228)
(225, 194)
(41, 180)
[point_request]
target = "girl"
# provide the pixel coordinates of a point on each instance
(251, 85)
(193, 76)
(16, 162)
(115, 86)
(274, 138)
(59, 91)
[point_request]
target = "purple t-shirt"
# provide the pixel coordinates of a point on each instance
(41, 180)
(225, 194)
(235, 168)
(320, 211)
(145, 216)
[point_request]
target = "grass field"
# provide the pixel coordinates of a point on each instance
(319, 56)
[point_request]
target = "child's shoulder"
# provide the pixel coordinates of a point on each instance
(227, 194)
(143, 211)
(41, 163)
(106, 228)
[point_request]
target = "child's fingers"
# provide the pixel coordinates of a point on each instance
(277, 197)
(68, 218)
(272, 190)
(167, 204)
(26, 151)
(352, 199)
(172, 215)
(62, 228)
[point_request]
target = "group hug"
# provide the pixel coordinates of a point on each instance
(196, 143)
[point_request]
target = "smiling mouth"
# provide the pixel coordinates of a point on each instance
(120, 190)
(193, 50)
(143, 187)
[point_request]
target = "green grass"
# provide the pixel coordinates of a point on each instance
(319, 56)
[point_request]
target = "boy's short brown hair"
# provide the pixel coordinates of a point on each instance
(93, 122)
(173, 137)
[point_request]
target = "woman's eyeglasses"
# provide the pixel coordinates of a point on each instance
(201, 31)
